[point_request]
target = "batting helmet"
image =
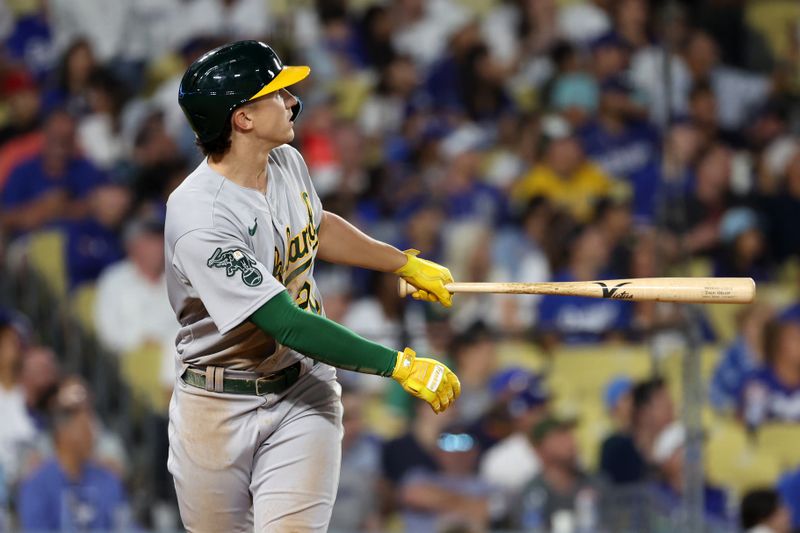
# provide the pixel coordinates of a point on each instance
(229, 76)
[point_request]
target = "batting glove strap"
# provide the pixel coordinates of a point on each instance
(427, 379)
(427, 277)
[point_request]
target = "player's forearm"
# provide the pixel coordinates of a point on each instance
(322, 339)
(342, 243)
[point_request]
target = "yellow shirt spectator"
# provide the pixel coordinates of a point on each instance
(575, 192)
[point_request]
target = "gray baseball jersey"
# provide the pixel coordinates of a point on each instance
(229, 249)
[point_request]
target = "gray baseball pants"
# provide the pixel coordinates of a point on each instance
(269, 463)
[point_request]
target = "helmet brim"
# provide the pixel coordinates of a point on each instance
(286, 77)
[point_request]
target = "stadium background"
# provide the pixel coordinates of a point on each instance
(507, 139)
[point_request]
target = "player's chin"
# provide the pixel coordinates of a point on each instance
(290, 133)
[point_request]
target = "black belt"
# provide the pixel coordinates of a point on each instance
(214, 379)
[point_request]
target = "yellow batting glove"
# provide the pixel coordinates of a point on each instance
(428, 278)
(427, 379)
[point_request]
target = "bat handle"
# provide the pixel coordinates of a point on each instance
(404, 288)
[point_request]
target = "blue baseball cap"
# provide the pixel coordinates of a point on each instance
(615, 390)
(522, 389)
(610, 39)
(18, 322)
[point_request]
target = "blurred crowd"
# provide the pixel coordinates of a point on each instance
(511, 140)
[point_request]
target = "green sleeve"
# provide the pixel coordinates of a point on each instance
(325, 340)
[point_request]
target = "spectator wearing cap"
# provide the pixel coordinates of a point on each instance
(17, 432)
(51, 186)
(618, 401)
(513, 461)
(609, 55)
(772, 391)
(561, 492)
(579, 320)
(668, 457)
(23, 99)
(94, 242)
(740, 358)
(70, 491)
(762, 511)
(453, 494)
(743, 246)
(563, 174)
(624, 144)
(625, 455)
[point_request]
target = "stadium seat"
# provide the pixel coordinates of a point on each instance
(520, 354)
(593, 427)
(723, 320)
(582, 373)
(141, 370)
(45, 254)
(82, 303)
(672, 368)
(770, 19)
(781, 441)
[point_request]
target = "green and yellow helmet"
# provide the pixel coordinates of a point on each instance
(229, 76)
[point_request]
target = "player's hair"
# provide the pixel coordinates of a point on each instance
(219, 144)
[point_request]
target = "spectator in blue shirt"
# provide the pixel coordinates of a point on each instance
(579, 320)
(624, 144)
(789, 489)
(740, 358)
(51, 186)
(772, 392)
(70, 492)
(94, 242)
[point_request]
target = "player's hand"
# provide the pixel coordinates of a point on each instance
(428, 278)
(427, 379)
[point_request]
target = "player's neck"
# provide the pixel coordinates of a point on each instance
(244, 165)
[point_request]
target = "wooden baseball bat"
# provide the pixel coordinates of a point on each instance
(688, 290)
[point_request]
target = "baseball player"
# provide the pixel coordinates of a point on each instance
(256, 418)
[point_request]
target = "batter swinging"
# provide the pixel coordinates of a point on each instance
(256, 418)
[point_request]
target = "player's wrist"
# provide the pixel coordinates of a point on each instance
(409, 266)
(403, 364)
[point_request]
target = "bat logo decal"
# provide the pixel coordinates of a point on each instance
(612, 291)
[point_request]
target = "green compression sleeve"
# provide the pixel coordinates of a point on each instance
(323, 339)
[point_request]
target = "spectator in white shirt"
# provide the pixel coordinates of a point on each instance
(17, 432)
(512, 462)
(132, 308)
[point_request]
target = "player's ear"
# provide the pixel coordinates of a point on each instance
(241, 119)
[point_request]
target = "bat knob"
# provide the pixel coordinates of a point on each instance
(404, 288)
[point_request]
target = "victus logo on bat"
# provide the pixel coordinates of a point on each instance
(611, 292)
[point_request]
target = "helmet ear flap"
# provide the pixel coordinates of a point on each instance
(296, 108)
